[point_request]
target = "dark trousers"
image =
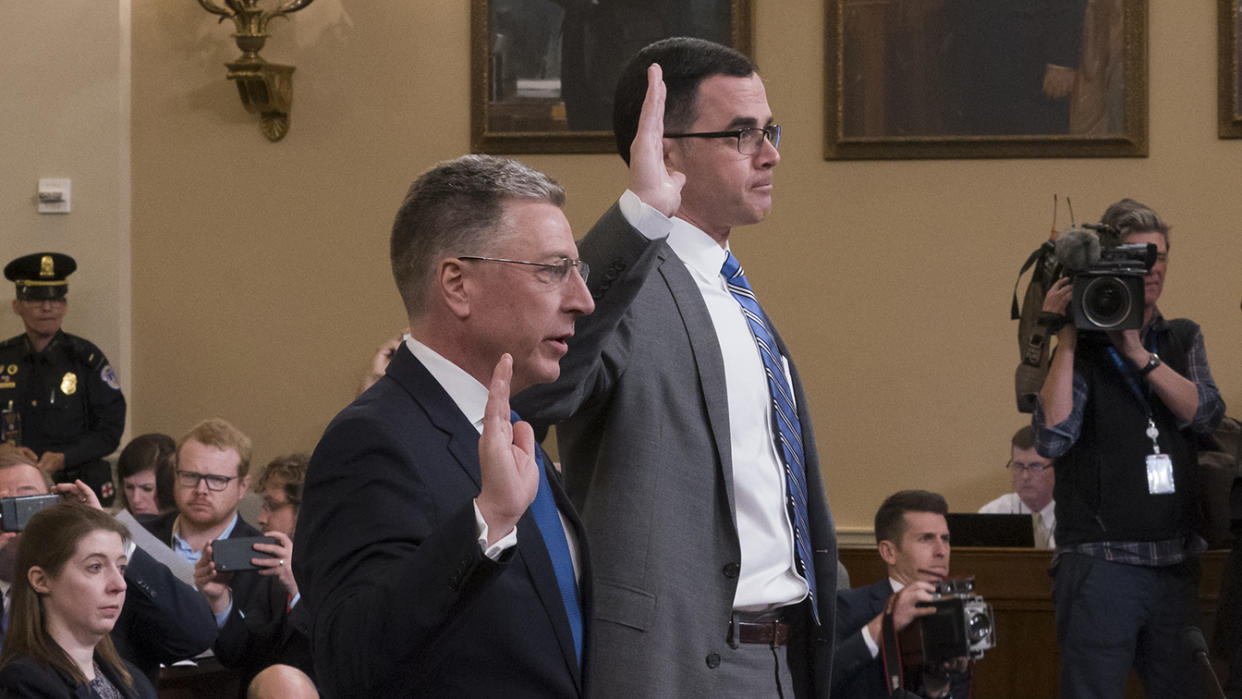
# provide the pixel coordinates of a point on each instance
(1111, 617)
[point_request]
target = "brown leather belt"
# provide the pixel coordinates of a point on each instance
(772, 633)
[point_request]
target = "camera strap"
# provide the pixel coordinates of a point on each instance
(890, 649)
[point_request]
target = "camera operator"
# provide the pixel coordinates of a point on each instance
(913, 540)
(1117, 411)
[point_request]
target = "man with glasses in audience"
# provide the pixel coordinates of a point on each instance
(683, 428)
(212, 475)
(1032, 478)
(61, 405)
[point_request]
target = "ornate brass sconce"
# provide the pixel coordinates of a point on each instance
(266, 88)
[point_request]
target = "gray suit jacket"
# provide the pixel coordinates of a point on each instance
(643, 428)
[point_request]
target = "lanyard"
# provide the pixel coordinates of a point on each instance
(1128, 374)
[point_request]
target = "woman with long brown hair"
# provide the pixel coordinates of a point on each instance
(68, 590)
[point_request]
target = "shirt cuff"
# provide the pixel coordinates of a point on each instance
(223, 616)
(652, 224)
(871, 644)
(505, 543)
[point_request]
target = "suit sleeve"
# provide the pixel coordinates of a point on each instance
(171, 620)
(105, 409)
(387, 557)
(621, 259)
(851, 659)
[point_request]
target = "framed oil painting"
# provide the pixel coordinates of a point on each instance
(1229, 72)
(543, 71)
(985, 79)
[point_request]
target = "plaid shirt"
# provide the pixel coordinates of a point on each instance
(1053, 441)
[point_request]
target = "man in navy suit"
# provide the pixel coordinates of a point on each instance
(913, 540)
(436, 552)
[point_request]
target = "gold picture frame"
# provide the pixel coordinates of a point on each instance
(922, 79)
(511, 114)
(1229, 72)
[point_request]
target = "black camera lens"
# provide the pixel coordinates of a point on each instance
(980, 627)
(1106, 302)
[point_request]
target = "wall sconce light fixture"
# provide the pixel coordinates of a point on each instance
(266, 88)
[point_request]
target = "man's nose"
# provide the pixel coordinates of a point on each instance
(577, 295)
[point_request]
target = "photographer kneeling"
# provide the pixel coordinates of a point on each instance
(1117, 410)
(913, 540)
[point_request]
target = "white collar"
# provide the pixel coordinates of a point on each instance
(467, 393)
(701, 254)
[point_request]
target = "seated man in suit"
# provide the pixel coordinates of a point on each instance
(1032, 478)
(438, 555)
(163, 620)
(212, 475)
(914, 543)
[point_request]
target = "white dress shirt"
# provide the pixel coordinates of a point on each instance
(768, 576)
(1011, 504)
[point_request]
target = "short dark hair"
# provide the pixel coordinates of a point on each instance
(454, 209)
(1024, 438)
(290, 471)
(1129, 216)
(890, 520)
(149, 452)
(686, 63)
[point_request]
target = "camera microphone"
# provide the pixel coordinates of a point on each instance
(1078, 249)
(1192, 639)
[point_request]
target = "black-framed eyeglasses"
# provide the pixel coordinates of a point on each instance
(749, 140)
(1028, 468)
(546, 272)
(190, 479)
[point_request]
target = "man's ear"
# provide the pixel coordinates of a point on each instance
(38, 580)
(888, 551)
(450, 285)
(674, 154)
(16, 307)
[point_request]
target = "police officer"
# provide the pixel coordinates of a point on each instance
(59, 398)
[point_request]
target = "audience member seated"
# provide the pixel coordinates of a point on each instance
(212, 475)
(145, 471)
(164, 620)
(67, 595)
(913, 540)
(273, 629)
(1032, 478)
(282, 682)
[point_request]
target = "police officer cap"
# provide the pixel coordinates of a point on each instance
(41, 276)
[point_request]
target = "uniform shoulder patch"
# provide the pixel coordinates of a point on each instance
(109, 377)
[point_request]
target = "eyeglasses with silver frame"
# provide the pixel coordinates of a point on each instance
(546, 272)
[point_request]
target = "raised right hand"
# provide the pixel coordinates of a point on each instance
(650, 178)
(507, 465)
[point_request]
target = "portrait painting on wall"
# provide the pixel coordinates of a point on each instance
(985, 78)
(1229, 71)
(543, 71)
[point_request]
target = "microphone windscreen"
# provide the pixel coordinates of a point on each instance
(1078, 250)
(1192, 638)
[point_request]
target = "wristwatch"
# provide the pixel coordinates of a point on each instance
(1152, 362)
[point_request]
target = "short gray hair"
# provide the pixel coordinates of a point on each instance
(1129, 216)
(455, 208)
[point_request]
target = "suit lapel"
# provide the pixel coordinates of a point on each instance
(534, 555)
(441, 411)
(707, 357)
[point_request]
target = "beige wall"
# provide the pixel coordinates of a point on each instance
(261, 286)
(65, 114)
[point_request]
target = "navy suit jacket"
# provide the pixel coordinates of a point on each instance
(402, 601)
(164, 620)
(23, 677)
(855, 674)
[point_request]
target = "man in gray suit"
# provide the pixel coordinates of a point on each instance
(683, 427)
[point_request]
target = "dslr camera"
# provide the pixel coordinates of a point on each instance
(963, 626)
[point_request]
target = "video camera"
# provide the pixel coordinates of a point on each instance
(963, 626)
(1107, 277)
